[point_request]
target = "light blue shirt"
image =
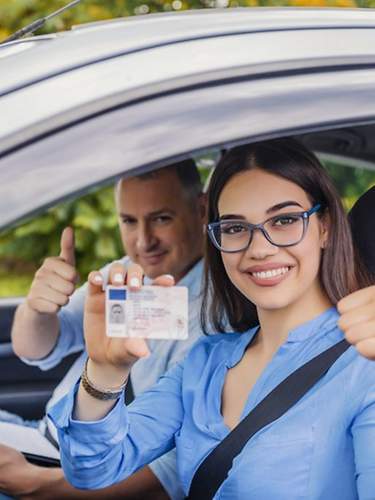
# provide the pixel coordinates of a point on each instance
(145, 372)
(322, 448)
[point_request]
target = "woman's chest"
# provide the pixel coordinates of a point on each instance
(238, 384)
(306, 452)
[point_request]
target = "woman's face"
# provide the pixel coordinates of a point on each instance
(253, 196)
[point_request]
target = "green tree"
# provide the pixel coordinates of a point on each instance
(15, 14)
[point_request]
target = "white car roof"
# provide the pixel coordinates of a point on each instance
(83, 107)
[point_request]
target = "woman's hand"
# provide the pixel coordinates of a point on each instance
(112, 358)
(358, 320)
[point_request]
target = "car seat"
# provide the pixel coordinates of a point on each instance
(361, 218)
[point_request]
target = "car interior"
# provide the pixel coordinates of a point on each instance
(25, 390)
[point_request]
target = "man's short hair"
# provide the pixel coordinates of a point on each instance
(186, 171)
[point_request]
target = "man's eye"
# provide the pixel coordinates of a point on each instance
(285, 220)
(233, 228)
(162, 219)
(128, 221)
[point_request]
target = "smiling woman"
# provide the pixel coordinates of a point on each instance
(282, 179)
(288, 288)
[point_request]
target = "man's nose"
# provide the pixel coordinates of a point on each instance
(260, 247)
(145, 238)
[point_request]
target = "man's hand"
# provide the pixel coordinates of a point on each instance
(55, 281)
(358, 320)
(17, 476)
(26, 481)
(36, 325)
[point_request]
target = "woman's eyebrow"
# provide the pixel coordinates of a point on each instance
(274, 208)
(284, 204)
(231, 216)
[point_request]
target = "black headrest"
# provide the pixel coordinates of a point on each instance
(362, 220)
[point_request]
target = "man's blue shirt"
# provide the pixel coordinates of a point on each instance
(322, 448)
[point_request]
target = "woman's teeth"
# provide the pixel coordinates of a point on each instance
(270, 274)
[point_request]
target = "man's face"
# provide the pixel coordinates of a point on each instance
(161, 228)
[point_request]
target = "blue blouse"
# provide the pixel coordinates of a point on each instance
(322, 448)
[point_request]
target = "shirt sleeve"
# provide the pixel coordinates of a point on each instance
(363, 431)
(98, 454)
(165, 469)
(70, 337)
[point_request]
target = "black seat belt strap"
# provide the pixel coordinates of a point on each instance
(215, 467)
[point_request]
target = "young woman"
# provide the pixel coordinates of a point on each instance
(279, 258)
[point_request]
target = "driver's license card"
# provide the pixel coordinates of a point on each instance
(153, 312)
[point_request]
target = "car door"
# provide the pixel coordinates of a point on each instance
(24, 389)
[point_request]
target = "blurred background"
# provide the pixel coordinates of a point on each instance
(23, 248)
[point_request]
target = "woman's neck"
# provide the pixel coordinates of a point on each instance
(275, 324)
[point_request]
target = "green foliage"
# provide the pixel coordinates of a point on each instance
(14, 14)
(23, 249)
(350, 182)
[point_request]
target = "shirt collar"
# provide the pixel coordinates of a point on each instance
(320, 325)
(323, 324)
(192, 280)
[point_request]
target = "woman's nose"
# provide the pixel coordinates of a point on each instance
(260, 247)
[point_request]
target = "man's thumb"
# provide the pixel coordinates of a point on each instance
(67, 246)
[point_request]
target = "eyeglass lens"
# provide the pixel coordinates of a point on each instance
(282, 230)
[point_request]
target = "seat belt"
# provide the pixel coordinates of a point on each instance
(215, 467)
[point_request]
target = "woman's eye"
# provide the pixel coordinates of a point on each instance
(285, 221)
(232, 228)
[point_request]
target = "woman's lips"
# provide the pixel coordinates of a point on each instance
(269, 277)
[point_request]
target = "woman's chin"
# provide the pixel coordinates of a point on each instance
(272, 305)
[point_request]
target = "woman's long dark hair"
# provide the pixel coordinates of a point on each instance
(340, 271)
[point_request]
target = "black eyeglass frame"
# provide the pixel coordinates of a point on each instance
(305, 216)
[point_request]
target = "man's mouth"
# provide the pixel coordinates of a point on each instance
(154, 258)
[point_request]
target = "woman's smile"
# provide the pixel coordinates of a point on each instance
(268, 274)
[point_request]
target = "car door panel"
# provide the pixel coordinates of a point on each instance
(24, 389)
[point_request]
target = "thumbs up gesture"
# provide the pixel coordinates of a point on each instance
(55, 281)
(357, 320)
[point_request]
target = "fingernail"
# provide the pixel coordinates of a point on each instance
(169, 276)
(118, 278)
(135, 282)
(98, 279)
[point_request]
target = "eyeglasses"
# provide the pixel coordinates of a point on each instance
(284, 230)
